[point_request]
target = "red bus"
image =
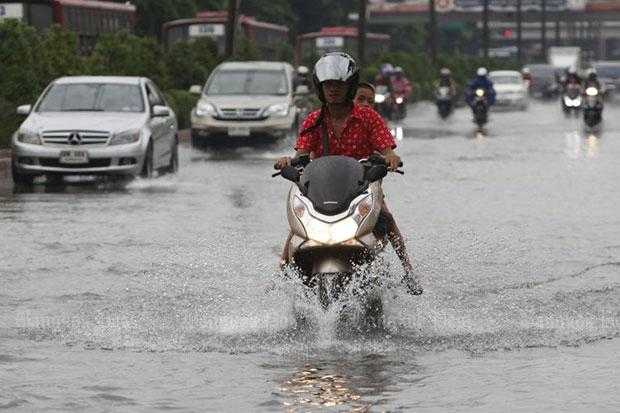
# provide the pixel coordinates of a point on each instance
(87, 18)
(267, 37)
(338, 39)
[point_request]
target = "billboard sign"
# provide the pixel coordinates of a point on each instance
(11, 11)
(206, 30)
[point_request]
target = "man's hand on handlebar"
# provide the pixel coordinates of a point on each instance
(283, 162)
(392, 160)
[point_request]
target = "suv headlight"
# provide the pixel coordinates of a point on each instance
(31, 138)
(205, 109)
(126, 137)
(280, 110)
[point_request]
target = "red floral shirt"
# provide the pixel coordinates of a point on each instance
(364, 133)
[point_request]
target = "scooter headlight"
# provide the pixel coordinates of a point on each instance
(379, 98)
(399, 100)
(592, 91)
(480, 92)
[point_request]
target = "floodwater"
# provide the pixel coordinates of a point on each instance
(163, 295)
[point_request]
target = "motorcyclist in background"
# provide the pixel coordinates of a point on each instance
(592, 80)
(302, 77)
(400, 84)
(526, 75)
(481, 81)
(349, 130)
(446, 80)
(571, 77)
(383, 77)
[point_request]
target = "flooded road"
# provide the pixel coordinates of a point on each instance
(161, 295)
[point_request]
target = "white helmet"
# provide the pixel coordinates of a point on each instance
(302, 70)
(336, 66)
(482, 71)
(526, 71)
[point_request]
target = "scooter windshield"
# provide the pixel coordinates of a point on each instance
(332, 182)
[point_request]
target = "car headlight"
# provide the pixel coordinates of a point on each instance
(125, 137)
(31, 138)
(280, 110)
(379, 98)
(591, 91)
(205, 109)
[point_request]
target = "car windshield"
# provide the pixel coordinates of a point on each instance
(506, 79)
(543, 71)
(610, 71)
(92, 97)
(248, 82)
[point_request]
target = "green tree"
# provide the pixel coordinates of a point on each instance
(152, 14)
(58, 55)
(128, 55)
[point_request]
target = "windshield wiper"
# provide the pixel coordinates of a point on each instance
(83, 110)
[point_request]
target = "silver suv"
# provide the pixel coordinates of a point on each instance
(97, 126)
(244, 100)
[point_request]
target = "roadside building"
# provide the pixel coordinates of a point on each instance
(592, 25)
(268, 38)
(336, 39)
(87, 18)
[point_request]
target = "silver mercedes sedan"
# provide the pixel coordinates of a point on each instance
(100, 125)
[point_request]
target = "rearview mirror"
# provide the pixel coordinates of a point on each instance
(290, 173)
(195, 90)
(302, 90)
(24, 110)
(160, 111)
(375, 173)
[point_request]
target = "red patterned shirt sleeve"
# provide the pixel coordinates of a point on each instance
(307, 141)
(380, 135)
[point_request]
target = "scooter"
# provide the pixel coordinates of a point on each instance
(593, 107)
(443, 99)
(480, 107)
(571, 99)
(333, 210)
(399, 107)
(382, 101)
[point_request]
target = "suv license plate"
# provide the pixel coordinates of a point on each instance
(73, 157)
(239, 131)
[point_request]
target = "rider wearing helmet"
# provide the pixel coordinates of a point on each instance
(341, 127)
(481, 81)
(592, 79)
(446, 80)
(572, 77)
(400, 84)
(302, 77)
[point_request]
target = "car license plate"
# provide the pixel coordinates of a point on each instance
(73, 157)
(239, 131)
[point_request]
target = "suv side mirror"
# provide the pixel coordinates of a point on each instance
(195, 90)
(160, 111)
(24, 110)
(302, 90)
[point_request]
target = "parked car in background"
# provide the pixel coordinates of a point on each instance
(609, 76)
(96, 126)
(510, 89)
(243, 101)
(544, 82)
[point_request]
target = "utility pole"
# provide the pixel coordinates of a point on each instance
(543, 23)
(361, 33)
(519, 32)
(485, 29)
(433, 30)
(233, 7)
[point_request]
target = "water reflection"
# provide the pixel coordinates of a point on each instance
(578, 146)
(355, 384)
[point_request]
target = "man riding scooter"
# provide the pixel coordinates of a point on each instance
(341, 127)
(480, 96)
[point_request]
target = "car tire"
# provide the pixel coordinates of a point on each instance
(147, 166)
(20, 179)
